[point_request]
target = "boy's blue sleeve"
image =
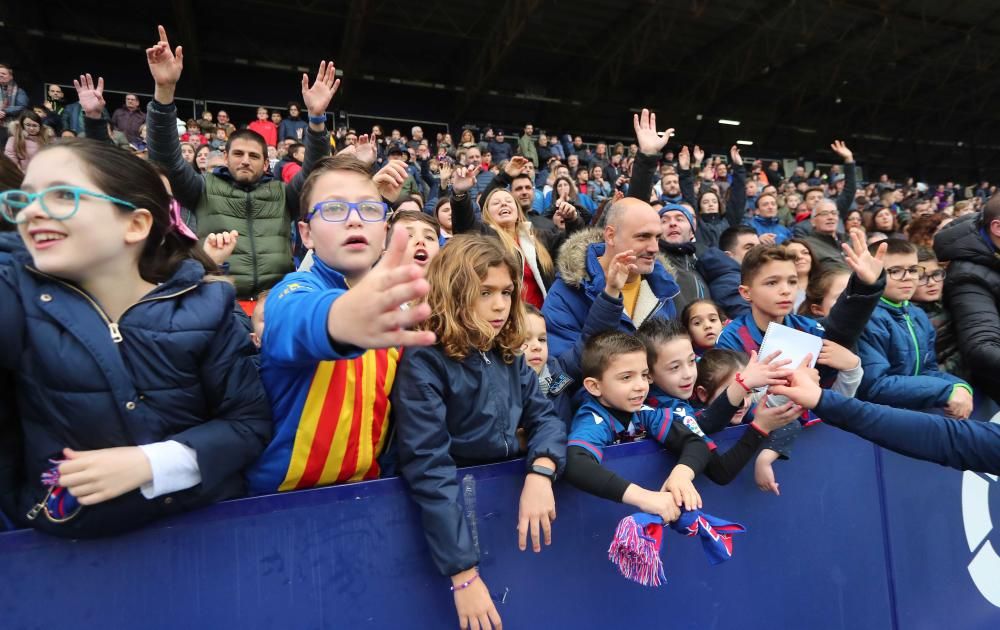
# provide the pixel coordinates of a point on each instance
(656, 422)
(295, 330)
(590, 432)
(929, 363)
(546, 430)
(904, 391)
(961, 444)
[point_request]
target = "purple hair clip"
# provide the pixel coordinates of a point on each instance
(177, 223)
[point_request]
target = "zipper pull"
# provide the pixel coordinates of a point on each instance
(33, 513)
(116, 335)
(486, 358)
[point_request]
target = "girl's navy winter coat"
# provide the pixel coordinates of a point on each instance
(452, 413)
(182, 369)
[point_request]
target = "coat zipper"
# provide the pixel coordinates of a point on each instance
(253, 245)
(116, 335)
(506, 444)
(913, 336)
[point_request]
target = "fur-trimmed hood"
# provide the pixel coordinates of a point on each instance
(572, 261)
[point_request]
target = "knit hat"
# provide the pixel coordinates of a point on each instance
(676, 207)
(635, 549)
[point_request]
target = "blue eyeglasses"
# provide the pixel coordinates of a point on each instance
(339, 211)
(58, 202)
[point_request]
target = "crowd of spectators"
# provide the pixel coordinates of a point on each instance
(556, 290)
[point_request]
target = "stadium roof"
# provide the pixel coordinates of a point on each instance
(909, 85)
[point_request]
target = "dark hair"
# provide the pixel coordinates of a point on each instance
(760, 256)
(925, 254)
(531, 310)
(730, 236)
(10, 179)
(716, 365)
(875, 211)
(247, 134)
(412, 215)
(330, 163)
(601, 349)
(895, 246)
(120, 174)
(555, 186)
(813, 189)
(521, 176)
(991, 211)
(656, 331)
(292, 149)
(820, 286)
(686, 313)
(709, 191)
(440, 202)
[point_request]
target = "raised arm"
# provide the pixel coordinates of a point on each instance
(91, 98)
(316, 99)
(736, 207)
(463, 218)
(846, 197)
(166, 65)
(651, 144)
(685, 177)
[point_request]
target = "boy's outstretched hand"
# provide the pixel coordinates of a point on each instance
(369, 314)
(803, 385)
(866, 267)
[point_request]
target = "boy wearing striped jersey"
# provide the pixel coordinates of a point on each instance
(331, 399)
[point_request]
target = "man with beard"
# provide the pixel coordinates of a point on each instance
(677, 244)
(240, 196)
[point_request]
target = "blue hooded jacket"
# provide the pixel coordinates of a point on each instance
(900, 364)
(722, 274)
(772, 225)
(177, 365)
(581, 278)
(451, 413)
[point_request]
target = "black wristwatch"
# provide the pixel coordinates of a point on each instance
(544, 471)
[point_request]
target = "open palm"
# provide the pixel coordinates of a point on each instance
(318, 96)
(91, 97)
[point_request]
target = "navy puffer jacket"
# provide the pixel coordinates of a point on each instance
(182, 369)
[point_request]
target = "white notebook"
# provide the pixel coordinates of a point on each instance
(794, 345)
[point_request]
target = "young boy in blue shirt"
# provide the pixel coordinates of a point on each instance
(616, 377)
(769, 283)
(897, 346)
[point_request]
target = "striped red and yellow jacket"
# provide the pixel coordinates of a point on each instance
(330, 404)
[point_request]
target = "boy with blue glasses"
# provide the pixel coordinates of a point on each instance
(330, 400)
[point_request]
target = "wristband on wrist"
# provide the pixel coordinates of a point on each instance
(739, 381)
(464, 585)
(317, 120)
(756, 427)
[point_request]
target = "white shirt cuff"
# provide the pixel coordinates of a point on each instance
(175, 468)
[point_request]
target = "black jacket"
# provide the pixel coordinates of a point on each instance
(452, 413)
(682, 263)
(972, 294)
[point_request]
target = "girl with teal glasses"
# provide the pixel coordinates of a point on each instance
(128, 389)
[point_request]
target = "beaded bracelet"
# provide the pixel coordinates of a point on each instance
(739, 379)
(465, 585)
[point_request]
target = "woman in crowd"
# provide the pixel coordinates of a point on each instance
(502, 218)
